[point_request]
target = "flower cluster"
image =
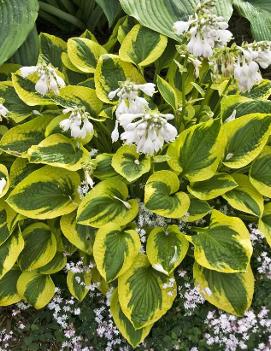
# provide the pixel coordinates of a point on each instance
(78, 122)
(48, 78)
(265, 264)
(147, 129)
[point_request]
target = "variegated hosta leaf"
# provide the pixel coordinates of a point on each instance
(132, 335)
(104, 169)
(245, 197)
(40, 247)
(139, 37)
(20, 138)
(5, 230)
(84, 53)
(81, 236)
(197, 151)
(231, 292)
(46, 193)
(224, 246)
(145, 295)
(260, 91)
(59, 151)
(115, 250)
(10, 251)
(211, 188)
(265, 223)
(55, 265)
(246, 137)
(18, 110)
(168, 93)
(4, 176)
(20, 169)
(166, 248)
(110, 71)
(78, 284)
(162, 196)
(260, 172)
(37, 289)
(197, 210)
(8, 290)
(129, 163)
(107, 203)
(51, 48)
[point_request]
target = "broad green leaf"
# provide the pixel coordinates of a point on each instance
(126, 328)
(115, 250)
(59, 151)
(55, 265)
(68, 64)
(162, 196)
(104, 167)
(260, 172)
(143, 295)
(5, 216)
(10, 251)
(81, 236)
(28, 53)
(265, 223)
(20, 169)
(4, 176)
(110, 71)
(166, 248)
(211, 188)
(246, 137)
(197, 151)
(39, 249)
(224, 246)
(107, 203)
(230, 292)
(51, 48)
(46, 193)
(20, 138)
(84, 53)
(8, 290)
(111, 9)
(78, 284)
(245, 197)
(168, 92)
(17, 19)
(197, 210)
(142, 46)
(129, 163)
(36, 289)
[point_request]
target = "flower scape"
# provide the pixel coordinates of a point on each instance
(138, 172)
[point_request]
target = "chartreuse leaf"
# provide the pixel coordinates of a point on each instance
(8, 290)
(81, 236)
(5, 231)
(142, 46)
(260, 91)
(246, 137)
(59, 151)
(4, 176)
(107, 203)
(39, 249)
(132, 335)
(10, 251)
(145, 294)
(230, 292)
(78, 284)
(129, 163)
(197, 151)
(18, 110)
(37, 289)
(197, 210)
(46, 193)
(260, 172)
(168, 92)
(115, 250)
(51, 48)
(224, 246)
(110, 71)
(55, 265)
(84, 53)
(104, 167)
(211, 188)
(68, 64)
(265, 223)
(20, 138)
(19, 169)
(245, 197)
(166, 248)
(162, 196)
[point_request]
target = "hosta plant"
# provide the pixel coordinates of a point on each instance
(119, 160)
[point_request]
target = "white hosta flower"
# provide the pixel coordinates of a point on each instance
(137, 105)
(247, 75)
(3, 184)
(199, 46)
(48, 81)
(264, 59)
(3, 112)
(180, 27)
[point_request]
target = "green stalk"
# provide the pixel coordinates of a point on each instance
(216, 108)
(184, 76)
(68, 6)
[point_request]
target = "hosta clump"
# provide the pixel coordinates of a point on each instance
(129, 160)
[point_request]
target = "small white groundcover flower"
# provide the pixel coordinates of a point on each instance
(77, 122)
(49, 80)
(3, 183)
(3, 112)
(204, 30)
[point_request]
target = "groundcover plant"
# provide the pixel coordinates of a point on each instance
(119, 160)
